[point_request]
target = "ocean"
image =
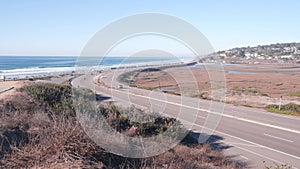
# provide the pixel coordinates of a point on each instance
(29, 66)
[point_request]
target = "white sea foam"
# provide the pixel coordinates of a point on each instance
(32, 72)
(35, 71)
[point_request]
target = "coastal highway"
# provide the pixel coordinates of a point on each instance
(246, 134)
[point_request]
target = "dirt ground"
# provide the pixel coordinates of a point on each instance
(250, 85)
(9, 84)
(16, 84)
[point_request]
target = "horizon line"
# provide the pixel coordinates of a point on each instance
(251, 46)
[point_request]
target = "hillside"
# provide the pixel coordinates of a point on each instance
(39, 129)
(273, 53)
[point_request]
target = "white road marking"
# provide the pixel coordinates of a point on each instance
(259, 145)
(244, 157)
(264, 157)
(242, 119)
(247, 141)
(217, 113)
(256, 144)
(279, 138)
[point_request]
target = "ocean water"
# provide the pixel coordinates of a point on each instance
(28, 66)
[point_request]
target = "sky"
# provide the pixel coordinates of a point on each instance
(63, 27)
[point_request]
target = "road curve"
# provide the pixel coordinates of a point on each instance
(252, 135)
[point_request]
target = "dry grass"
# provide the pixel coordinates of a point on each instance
(53, 139)
(257, 90)
(58, 141)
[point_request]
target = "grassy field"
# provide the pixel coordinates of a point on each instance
(295, 94)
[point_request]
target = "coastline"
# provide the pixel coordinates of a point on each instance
(24, 67)
(9, 88)
(247, 85)
(62, 76)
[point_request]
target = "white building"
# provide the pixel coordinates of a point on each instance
(247, 54)
(286, 57)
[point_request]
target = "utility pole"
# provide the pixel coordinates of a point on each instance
(280, 102)
(159, 85)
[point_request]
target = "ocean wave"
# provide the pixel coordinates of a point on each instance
(42, 71)
(36, 71)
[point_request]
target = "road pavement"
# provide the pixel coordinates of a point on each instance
(248, 134)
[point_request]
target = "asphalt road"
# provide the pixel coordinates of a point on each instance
(248, 134)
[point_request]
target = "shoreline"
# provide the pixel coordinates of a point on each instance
(9, 88)
(33, 72)
(244, 88)
(64, 77)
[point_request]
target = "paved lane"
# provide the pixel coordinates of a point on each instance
(254, 134)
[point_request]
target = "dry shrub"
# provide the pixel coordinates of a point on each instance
(58, 141)
(61, 142)
(200, 156)
(53, 139)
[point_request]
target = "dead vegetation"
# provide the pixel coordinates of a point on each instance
(45, 134)
(247, 85)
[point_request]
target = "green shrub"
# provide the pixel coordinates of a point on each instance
(249, 90)
(61, 142)
(57, 97)
(148, 124)
(290, 108)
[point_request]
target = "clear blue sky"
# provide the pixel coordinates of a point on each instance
(62, 27)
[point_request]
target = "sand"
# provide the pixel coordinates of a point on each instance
(15, 85)
(4, 85)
